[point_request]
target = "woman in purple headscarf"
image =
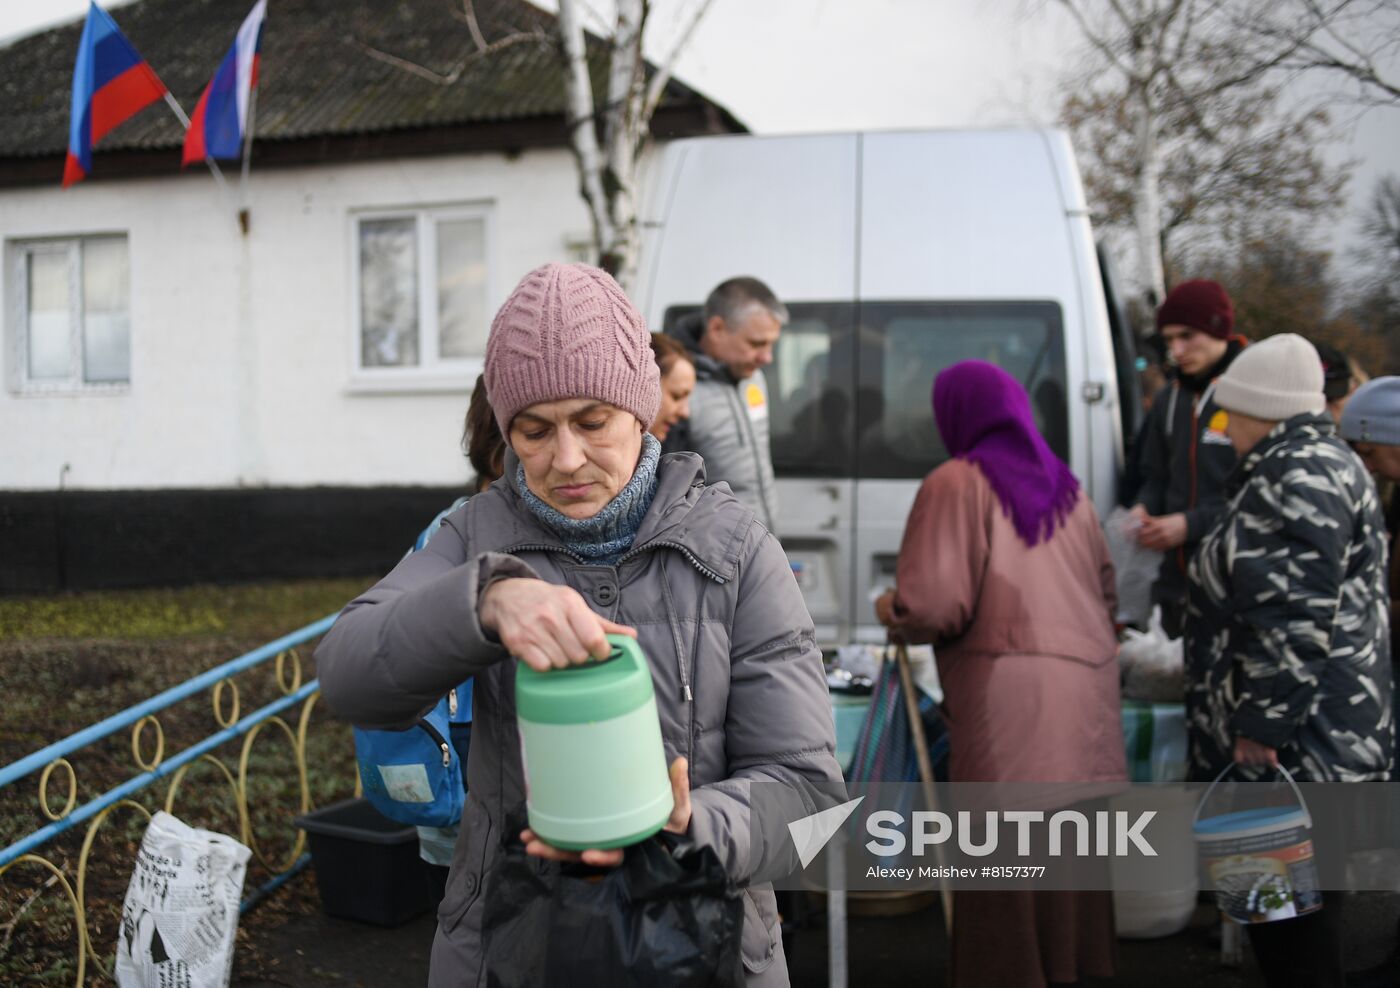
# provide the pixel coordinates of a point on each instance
(1004, 569)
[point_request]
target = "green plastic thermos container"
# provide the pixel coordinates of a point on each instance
(595, 769)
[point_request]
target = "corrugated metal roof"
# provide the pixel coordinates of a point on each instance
(318, 76)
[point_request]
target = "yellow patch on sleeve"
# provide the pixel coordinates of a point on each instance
(753, 394)
(1219, 421)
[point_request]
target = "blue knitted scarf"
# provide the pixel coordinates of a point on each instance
(607, 535)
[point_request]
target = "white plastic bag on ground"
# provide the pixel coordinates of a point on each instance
(181, 909)
(1152, 664)
(1134, 567)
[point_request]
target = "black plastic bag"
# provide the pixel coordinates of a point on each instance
(668, 915)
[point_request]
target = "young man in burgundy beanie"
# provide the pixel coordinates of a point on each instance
(1185, 455)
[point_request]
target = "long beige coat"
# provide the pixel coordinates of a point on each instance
(1026, 652)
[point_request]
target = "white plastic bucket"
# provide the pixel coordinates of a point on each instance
(1260, 861)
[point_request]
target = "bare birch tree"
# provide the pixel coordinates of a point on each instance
(1177, 124)
(608, 174)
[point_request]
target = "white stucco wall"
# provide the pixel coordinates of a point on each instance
(242, 347)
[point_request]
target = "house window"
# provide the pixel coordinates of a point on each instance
(422, 282)
(71, 314)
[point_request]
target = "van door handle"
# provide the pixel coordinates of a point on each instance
(833, 522)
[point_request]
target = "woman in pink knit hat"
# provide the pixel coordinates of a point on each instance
(591, 531)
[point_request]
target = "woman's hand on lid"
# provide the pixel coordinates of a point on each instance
(544, 625)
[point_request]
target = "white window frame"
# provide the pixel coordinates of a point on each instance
(16, 254)
(433, 373)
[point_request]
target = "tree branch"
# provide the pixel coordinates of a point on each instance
(438, 78)
(1318, 40)
(469, 11)
(657, 88)
(1096, 41)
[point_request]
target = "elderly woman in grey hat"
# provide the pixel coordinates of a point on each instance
(1288, 652)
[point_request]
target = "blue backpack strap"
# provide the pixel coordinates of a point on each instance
(416, 775)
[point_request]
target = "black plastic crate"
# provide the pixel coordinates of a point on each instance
(367, 866)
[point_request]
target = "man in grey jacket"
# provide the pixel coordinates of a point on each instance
(732, 341)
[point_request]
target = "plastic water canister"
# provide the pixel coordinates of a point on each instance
(595, 768)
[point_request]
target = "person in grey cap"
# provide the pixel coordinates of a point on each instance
(1371, 423)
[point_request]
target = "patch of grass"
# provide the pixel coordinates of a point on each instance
(69, 661)
(266, 610)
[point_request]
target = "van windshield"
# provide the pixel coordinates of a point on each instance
(848, 402)
(906, 344)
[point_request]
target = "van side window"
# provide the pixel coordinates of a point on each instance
(905, 344)
(811, 389)
(836, 412)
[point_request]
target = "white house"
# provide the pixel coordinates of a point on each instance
(155, 352)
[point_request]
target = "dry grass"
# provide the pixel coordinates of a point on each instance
(69, 661)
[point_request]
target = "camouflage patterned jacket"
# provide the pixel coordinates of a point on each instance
(1287, 628)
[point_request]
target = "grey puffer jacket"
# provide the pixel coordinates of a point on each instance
(739, 683)
(728, 426)
(1287, 628)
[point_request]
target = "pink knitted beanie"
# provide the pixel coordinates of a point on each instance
(569, 331)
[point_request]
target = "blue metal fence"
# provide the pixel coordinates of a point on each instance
(142, 716)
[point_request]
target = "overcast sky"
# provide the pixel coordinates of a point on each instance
(787, 66)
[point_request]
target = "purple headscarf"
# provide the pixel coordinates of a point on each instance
(985, 417)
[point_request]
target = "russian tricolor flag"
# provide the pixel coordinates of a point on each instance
(111, 82)
(220, 121)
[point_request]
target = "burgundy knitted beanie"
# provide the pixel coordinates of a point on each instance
(569, 331)
(1203, 305)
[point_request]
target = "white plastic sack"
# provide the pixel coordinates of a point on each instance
(181, 909)
(1134, 566)
(1152, 664)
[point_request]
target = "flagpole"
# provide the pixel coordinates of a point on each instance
(185, 123)
(247, 159)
